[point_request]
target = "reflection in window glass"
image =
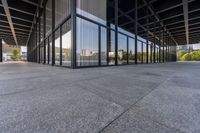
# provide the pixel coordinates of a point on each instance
(62, 10)
(161, 54)
(149, 53)
(42, 52)
(48, 17)
(46, 44)
(157, 54)
(144, 53)
(90, 9)
(87, 43)
(111, 48)
(38, 42)
(50, 49)
(153, 53)
(122, 49)
(66, 44)
(103, 46)
(139, 52)
(41, 28)
(131, 51)
(57, 47)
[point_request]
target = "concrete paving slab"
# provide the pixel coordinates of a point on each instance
(135, 98)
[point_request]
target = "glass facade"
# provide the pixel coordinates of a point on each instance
(87, 44)
(122, 49)
(131, 53)
(85, 35)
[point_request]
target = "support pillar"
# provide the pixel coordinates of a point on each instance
(73, 33)
(53, 33)
(116, 32)
(136, 29)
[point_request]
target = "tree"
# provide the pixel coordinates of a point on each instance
(15, 54)
(180, 53)
(186, 57)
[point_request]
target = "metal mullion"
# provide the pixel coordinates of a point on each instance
(99, 45)
(142, 53)
(44, 32)
(160, 45)
(136, 28)
(53, 33)
(48, 49)
(116, 32)
(39, 37)
(127, 49)
(163, 46)
(61, 45)
(1, 51)
(73, 33)
(154, 57)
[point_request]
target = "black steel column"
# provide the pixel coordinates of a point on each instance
(163, 46)
(53, 34)
(39, 37)
(136, 29)
(147, 38)
(116, 32)
(160, 35)
(1, 51)
(48, 49)
(154, 41)
(44, 32)
(166, 48)
(99, 45)
(61, 58)
(73, 33)
(142, 60)
(127, 44)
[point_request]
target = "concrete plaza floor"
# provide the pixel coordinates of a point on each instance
(153, 98)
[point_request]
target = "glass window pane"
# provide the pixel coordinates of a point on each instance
(62, 10)
(103, 46)
(144, 52)
(42, 52)
(153, 53)
(111, 48)
(87, 43)
(66, 44)
(48, 17)
(46, 44)
(41, 28)
(122, 49)
(50, 49)
(90, 9)
(57, 47)
(139, 52)
(131, 51)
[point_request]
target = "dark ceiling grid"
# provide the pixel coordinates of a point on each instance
(168, 14)
(22, 15)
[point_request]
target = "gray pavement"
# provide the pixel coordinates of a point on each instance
(153, 98)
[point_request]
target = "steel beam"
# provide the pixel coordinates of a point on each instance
(5, 5)
(185, 12)
(18, 10)
(158, 19)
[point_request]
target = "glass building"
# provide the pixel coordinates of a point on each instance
(86, 33)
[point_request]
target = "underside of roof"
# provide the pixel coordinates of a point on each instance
(22, 14)
(179, 19)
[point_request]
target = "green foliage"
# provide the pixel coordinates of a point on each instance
(192, 56)
(180, 53)
(15, 54)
